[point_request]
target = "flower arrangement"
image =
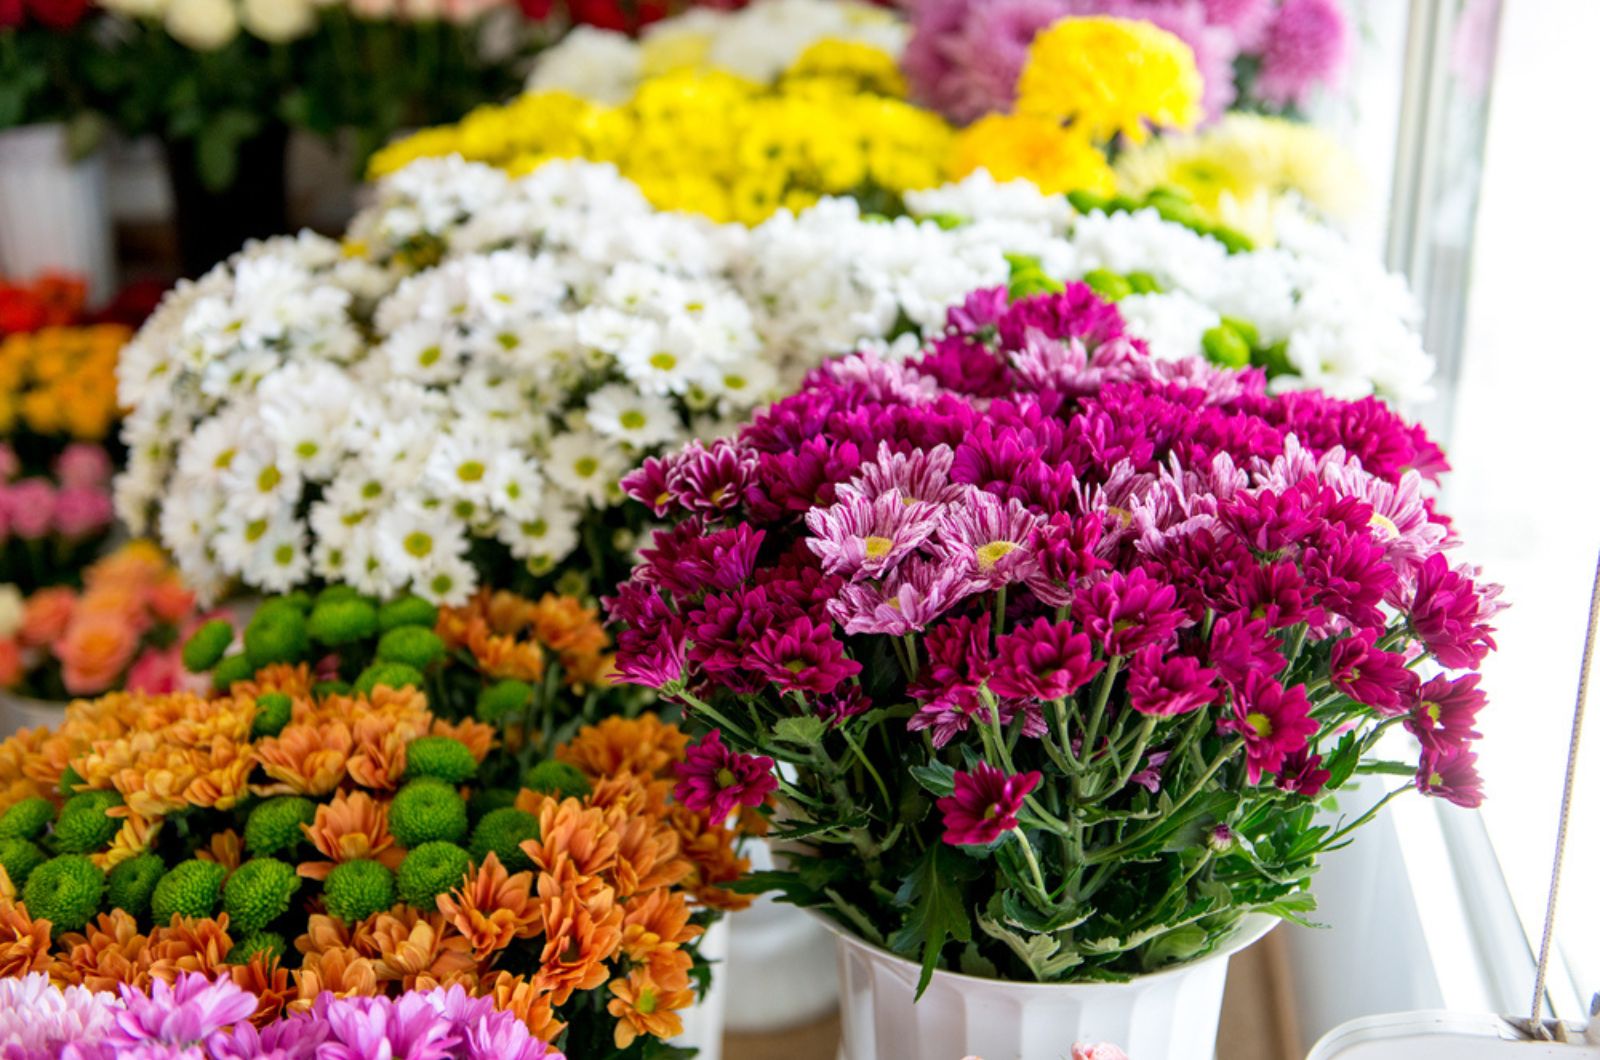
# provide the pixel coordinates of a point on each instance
(964, 57)
(57, 406)
(122, 630)
(307, 836)
(1060, 644)
(210, 1019)
(716, 144)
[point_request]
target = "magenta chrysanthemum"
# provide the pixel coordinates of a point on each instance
(984, 805)
(1164, 686)
(1450, 772)
(183, 1013)
(861, 538)
(1044, 660)
(714, 780)
(1379, 679)
(1305, 48)
(1274, 722)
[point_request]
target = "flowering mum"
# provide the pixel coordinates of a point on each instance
(1115, 592)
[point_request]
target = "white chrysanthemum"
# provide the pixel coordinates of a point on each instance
(546, 537)
(596, 64)
(586, 466)
(624, 415)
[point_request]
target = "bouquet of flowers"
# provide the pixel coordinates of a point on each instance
(964, 57)
(306, 836)
(57, 407)
(1060, 644)
(210, 1018)
(122, 630)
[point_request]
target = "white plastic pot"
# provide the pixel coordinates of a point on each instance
(24, 712)
(703, 1023)
(54, 212)
(1171, 1015)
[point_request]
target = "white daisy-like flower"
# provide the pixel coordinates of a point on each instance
(642, 421)
(586, 465)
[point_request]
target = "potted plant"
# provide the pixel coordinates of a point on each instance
(1061, 648)
(53, 210)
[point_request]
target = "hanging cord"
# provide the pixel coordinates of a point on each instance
(1535, 1023)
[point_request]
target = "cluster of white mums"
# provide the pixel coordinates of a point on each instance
(485, 357)
(206, 25)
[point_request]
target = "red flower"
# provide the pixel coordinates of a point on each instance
(1045, 660)
(984, 805)
(11, 16)
(1451, 773)
(58, 14)
(1445, 712)
(1378, 679)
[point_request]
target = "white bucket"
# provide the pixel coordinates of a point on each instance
(54, 213)
(19, 712)
(1170, 1015)
(703, 1022)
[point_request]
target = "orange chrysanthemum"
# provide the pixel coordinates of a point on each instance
(647, 854)
(305, 759)
(574, 840)
(225, 849)
(420, 951)
(351, 827)
(583, 930)
(477, 736)
(324, 933)
(654, 922)
(109, 950)
(492, 907)
(341, 972)
(24, 942)
(641, 745)
(644, 1007)
(528, 1000)
(293, 681)
(190, 945)
(715, 858)
(134, 837)
(265, 977)
(510, 636)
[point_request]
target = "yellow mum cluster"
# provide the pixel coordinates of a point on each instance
(61, 381)
(719, 145)
(1087, 81)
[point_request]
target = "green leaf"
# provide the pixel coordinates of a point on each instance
(1179, 945)
(804, 731)
(1046, 957)
(936, 778)
(937, 907)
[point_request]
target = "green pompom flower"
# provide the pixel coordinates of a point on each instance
(426, 810)
(230, 670)
(276, 634)
(208, 645)
(269, 942)
(407, 611)
(502, 700)
(324, 689)
(27, 818)
(258, 893)
(429, 871)
(413, 646)
(272, 714)
(335, 593)
(503, 832)
(342, 621)
(191, 889)
(1225, 346)
(394, 675)
(557, 778)
(83, 826)
(19, 858)
(65, 891)
(440, 756)
(273, 827)
(485, 801)
(132, 883)
(355, 890)
(70, 780)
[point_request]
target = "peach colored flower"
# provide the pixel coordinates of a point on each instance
(528, 999)
(265, 977)
(492, 907)
(46, 615)
(574, 840)
(293, 681)
(170, 600)
(351, 827)
(94, 651)
(109, 950)
(644, 744)
(420, 951)
(8, 890)
(225, 849)
(644, 1007)
(24, 942)
(656, 921)
(716, 860)
(190, 945)
(11, 668)
(136, 835)
(478, 737)
(341, 972)
(647, 853)
(583, 930)
(305, 759)
(325, 933)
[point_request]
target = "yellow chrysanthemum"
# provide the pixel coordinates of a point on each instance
(61, 381)
(1241, 170)
(1013, 146)
(1111, 75)
(848, 65)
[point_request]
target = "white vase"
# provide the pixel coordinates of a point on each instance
(18, 712)
(1170, 1015)
(54, 212)
(703, 1022)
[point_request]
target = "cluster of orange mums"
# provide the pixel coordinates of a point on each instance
(512, 637)
(607, 904)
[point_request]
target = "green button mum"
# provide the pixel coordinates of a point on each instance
(274, 826)
(428, 810)
(430, 870)
(258, 893)
(132, 883)
(357, 889)
(191, 889)
(65, 891)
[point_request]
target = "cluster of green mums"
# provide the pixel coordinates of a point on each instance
(46, 851)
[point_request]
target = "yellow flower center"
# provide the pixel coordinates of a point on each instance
(1435, 780)
(725, 777)
(471, 471)
(284, 555)
(647, 1001)
(878, 547)
(268, 479)
(994, 552)
(1384, 526)
(430, 356)
(1432, 710)
(586, 466)
(418, 543)
(1260, 723)
(663, 361)
(794, 666)
(632, 420)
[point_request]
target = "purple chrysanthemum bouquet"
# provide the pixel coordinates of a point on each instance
(1059, 645)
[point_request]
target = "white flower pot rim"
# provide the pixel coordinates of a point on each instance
(1251, 928)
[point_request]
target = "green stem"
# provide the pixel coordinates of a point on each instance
(1363, 819)
(711, 712)
(1116, 849)
(1000, 611)
(1033, 865)
(883, 789)
(1097, 710)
